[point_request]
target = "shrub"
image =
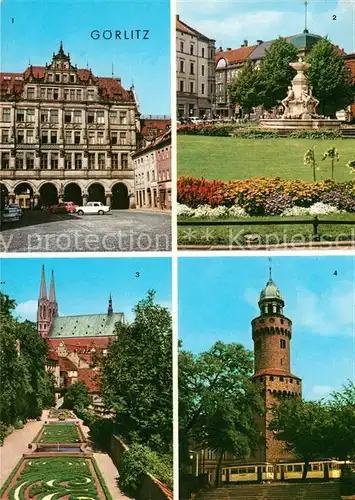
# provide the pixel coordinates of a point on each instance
(102, 430)
(139, 460)
(347, 482)
(18, 424)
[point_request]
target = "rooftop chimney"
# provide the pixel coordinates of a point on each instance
(229, 48)
(245, 43)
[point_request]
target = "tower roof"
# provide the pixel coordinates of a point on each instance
(52, 297)
(270, 291)
(43, 292)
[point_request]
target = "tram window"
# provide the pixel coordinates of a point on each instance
(234, 471)
(298, 468)
(278, 469)
(264, 469)
(223, 472)
(289, 468)
(270, 469)
(315, 467)
(250, 470)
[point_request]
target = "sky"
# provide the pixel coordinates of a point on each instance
(32, 30)
(83, 285)
(230, 22)
(218, 298)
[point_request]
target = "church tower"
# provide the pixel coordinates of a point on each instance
(272, 333)
(47, 307)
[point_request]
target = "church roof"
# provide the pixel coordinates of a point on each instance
(89, 325)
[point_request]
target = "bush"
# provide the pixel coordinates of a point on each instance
(102, 430)
(18, 424)
(139, 460)
(347, 482)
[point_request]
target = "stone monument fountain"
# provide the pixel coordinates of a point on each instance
(300, 105)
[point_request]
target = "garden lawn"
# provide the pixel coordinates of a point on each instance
(59, 433)
(57, 477)
(229, 158)
(269, 234)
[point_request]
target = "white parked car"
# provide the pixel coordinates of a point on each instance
(93, 207)
(10, 214)
(195, 120)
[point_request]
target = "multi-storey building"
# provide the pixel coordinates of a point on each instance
(195, 72)
(272, 333)
(66, 135)
(152, 166)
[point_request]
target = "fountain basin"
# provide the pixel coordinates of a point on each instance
(298, 124)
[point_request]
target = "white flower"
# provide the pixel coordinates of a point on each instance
(318, 208)
(205, 211)
(184, 211)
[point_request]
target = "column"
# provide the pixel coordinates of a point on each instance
(132, 201)
(108, 199)
(85, 198)
(36, 197)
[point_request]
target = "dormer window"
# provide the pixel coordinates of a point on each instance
(30, 93)
(65, 78)
(72, 78)
(57, 77)
(50, 77)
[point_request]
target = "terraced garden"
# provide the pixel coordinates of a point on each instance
(59, 433)
(55, 478)
(54, 413)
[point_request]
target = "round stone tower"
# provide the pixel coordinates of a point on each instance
(272, 333)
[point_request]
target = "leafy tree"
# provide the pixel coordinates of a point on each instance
(301, 424)
(76, 396)
(136, 376)
(245, 90)
(276, 73)
(333, 154)
(329, 78)
(218, 402)
(310, 160)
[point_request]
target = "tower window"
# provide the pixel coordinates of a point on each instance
(291, 380)
(281, 379)
(282, 343)
(269, 309)
(271, 378)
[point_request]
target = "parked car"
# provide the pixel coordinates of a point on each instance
(10, 214)
(93, 207)
(17, 207)
(65, 207)
(195, 120)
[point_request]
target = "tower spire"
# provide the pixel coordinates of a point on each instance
(43, 292)
(305, 17)
(270, 269)
(110, 308)
(52, 297)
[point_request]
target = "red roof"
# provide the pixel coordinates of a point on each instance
(67, 365)
(87, 376)
(53, 355)
(74, 343)
(235, 55)
(152, 127)
(184, 28)
(271, 371)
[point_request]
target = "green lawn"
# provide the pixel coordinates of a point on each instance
(269, 234)
(229, 158)
(59, 433)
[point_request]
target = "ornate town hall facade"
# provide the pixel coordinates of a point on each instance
(73, 340)
(67, 135)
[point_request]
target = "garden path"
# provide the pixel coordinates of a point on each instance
(15, 445)
(107, 468)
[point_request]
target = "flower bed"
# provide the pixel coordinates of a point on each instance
(59, 433)
(263, 196)
(55, 477)
(54, 413)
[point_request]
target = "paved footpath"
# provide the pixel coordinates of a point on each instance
(16, 444)
(107, 468)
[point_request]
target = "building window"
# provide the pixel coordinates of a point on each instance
(182, 70)
(91, 95)
(66, 94)
(6, 114)
(123, 117)
(20, 137)
(57, 77)
(202, 88)
(91, 162)
(191, 50)
(68, 137)
(5, 161)
(19, 161)
(203, 70)
(100, 117)
(30, 93)
(72, 78)
(53, 137)
(77, 137)
(124, 161)
(192, 69)
(72, 94)
(53, 116)
(281, 379)
(5, 136)
(20, 115)
(77, 116)
(43, 93)
(101, 161)
(49, 94)
(68, 161)
(114, 161)
(44, 116)
(55, 94)
(44, 161)
(50, 77)
(271, 378)
(30, 161)
(181, 46)
(79, 95)
(191, 87)
(78, 161)
(291, 380)
(203, 52)
(67, 117)
(123, 137)
(282, 343)
(54, 161)
(30, 115)
(29, 137)
(114, 138)
(44, 137)
(181, 85)
(113, 117)
(91, 117)
(91, 137)
(100, 138)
